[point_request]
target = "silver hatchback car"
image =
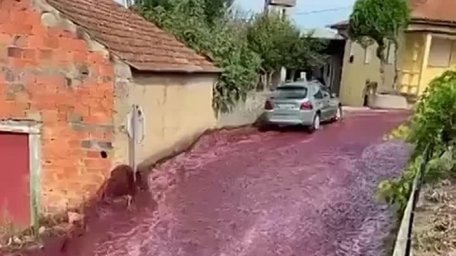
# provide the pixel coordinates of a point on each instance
(304, 103)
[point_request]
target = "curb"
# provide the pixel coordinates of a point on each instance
(403, 235)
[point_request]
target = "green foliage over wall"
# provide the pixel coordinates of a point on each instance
(245, 48)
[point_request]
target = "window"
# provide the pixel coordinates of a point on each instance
(440, 52)
(351, 51)
(291, 92)
(367, 55)
(318, 95)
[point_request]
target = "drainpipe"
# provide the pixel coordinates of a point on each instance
(266, 6)
(132, 138)
(424, 64)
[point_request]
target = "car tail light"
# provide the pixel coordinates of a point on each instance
(306, 106)
(268, 105)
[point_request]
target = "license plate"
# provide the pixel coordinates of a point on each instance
(286, 106)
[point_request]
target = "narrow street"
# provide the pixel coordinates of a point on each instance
(261, 194)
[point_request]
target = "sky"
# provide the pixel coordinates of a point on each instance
(309, 13)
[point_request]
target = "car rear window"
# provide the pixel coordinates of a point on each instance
(291, 92)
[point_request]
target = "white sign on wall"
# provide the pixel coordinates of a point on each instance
(136, 124)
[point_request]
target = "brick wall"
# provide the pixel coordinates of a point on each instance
(49, 73)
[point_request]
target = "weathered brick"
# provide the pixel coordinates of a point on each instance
(22, 63)
(79, 56)
(10, 96)
(78, 127)
(107, 145)
(93, 154)
(29, 54)
(88, 144)
(16, 88)
(20, 6)
(14, 76)
(100, 164)
(14, 52)
(4, 17)
(45, 54)
(51, 42)
(20, 41)
(97, 118)
(75, 118)
(37, 82)
(18, 28)
(74, 44)
(33, 115)
(35, 40)
(10, 76)
(94, 144)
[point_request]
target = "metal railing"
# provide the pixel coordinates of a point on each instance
(404, 239)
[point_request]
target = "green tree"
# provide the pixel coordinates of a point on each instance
(433, 126)
(213, 9)
(280, 44)
(149, 4)
(305, 53)
(216, 9)
(381, 21)
(218, 39)
(272, 38)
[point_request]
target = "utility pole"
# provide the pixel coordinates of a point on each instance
(266, 6)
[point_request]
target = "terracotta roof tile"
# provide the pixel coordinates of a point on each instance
(425, 10)
(137, 42)
(434, 10)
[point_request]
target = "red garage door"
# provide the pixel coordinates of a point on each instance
(14, 178)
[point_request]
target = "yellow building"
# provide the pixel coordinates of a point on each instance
(426, 50)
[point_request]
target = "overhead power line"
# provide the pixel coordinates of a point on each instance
(324, 10)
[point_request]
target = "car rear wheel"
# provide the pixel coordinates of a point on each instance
(315, 124)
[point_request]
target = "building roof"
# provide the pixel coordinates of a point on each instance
(137, 42)
(440, 11)
(320, 33)
(340, 24)
(434, 10)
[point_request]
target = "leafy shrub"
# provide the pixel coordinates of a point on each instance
(221, 40)
(434, 121)
(433, 125)
(396, 192)
(247, 50)
(400, 133)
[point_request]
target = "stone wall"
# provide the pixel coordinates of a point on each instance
(244, 113)
(50, 72)
(177, 108)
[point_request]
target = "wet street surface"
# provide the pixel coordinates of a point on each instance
(246, 193)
